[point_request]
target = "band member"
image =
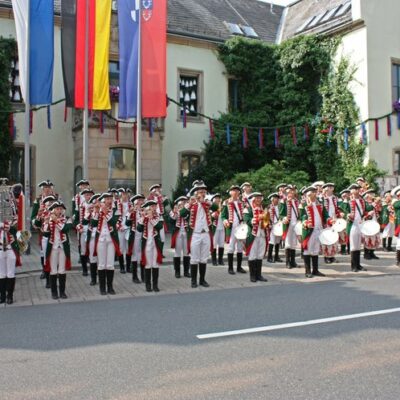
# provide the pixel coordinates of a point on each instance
(106, 222)
(256, 241)
(123, 232)
(58, 253)
(94, 208)
(330, 202)
(355, 218)
(150, 225)
(387, 222)
(134, 254)
(9, 259)
(364, 186)
(218, 230)
(281, 188)
(47, 190)
(232, 217)
(199, 233)
(320, 191)
(246, 189)
(81, 228)
(315, 219)
(274, 241)
(289, 213)
(179, 238)
(396, 207)
(162, 203)
(372, 242)
(78, 198)
(344, 206)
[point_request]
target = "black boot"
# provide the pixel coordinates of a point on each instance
(84, 260)
(398, 258)
(102, 281)
(3, 290)
(214, 257)
(53, 284)
(301, 253)
(253, 272)
(135, 278)
(367, 255)
(121, 264)
(110, 279)
(10, 290)
(142, 274)
(147, 277)
(155, 272)
(358, 261)
(293, 258)
(353, 261)
(390, 248)
(230, 264)
(343, 249)
(276, 256)
(202, 270)
(270, 251)
(221, 256)
(62, 278)
(47, 276)
(287, 259)
(93, 274)
(128, 262)
(193, 273)
(373, 255)
(307, 264)
(42, 275)
(384, 245)
(348, 248)
(259, 276)
(177, 267)
(186, 267)
(315, 270)
(239, 258)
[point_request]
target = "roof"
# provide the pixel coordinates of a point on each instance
(311, 16)
(205, 18)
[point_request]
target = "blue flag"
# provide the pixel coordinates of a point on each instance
(129, 28)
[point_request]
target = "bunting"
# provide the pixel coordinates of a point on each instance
(376, 130)
(245, 138)
(276, 138)
(294, 136)
(261, 138)
(228, 134)
(212, 132)
(389, 125)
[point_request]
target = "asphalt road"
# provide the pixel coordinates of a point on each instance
(147, 348)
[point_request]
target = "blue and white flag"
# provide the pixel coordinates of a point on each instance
(34, 19)
(129, 28)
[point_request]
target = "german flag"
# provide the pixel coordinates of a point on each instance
(73, 31)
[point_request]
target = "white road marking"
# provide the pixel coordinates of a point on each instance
(296, 324)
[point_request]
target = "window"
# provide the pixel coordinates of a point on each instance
(17, 166)
(122, 168)
(395, 81)
(189, 162)
(78, 175)
(15, 89)
(234, 99)
(396, 166)
(190, 95)
(113, 75)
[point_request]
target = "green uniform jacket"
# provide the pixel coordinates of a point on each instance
(142, 227)
(308, 222)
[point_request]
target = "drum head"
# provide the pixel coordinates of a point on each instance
(298, 229)
(370, 228)
(328, 237)
(278, 229)
(339, 225)
(241, 231)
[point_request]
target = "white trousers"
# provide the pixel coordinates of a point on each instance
(398, 243)
(233, 242)
(82, 241)
(314, 245)
(257, 250)
(105, 255)
(92, 258)
(7, 264)
(200, 248)
(123, 243)
(162, 233)
(388, 231)
(57, 261)
(355, 237)
(137, 247)
(219, 238)
(291, 238)
(151, 254)
(43, 245)
(181, 245)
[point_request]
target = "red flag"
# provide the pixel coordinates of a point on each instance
(154, 58)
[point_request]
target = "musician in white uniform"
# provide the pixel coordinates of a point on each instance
(274, 240)
(123, 231)
(218, 231)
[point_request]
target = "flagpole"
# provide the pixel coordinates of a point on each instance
(85, 127)
(139, 114)
(27, 152)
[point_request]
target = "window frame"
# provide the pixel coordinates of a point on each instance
(109, 179)
(191, 73)
(396, 165)
(188, 153)
(395, 63)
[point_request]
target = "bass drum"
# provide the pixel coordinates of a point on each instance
(370, 228)
(298, 229)
(328, 237)
(277, 229)
(241, 231)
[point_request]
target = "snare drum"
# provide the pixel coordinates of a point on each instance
(340, 225)
(241, 231)
(370, 228)
(328, 237)
(298, 229)
(277, 229)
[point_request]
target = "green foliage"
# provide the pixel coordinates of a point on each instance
(7, 50)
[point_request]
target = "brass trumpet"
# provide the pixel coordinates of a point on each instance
(265, 220)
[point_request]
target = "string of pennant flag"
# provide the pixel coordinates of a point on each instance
(295, 130)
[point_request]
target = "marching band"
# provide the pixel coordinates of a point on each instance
(115, 226)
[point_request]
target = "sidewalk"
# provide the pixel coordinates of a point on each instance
(30, 289)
